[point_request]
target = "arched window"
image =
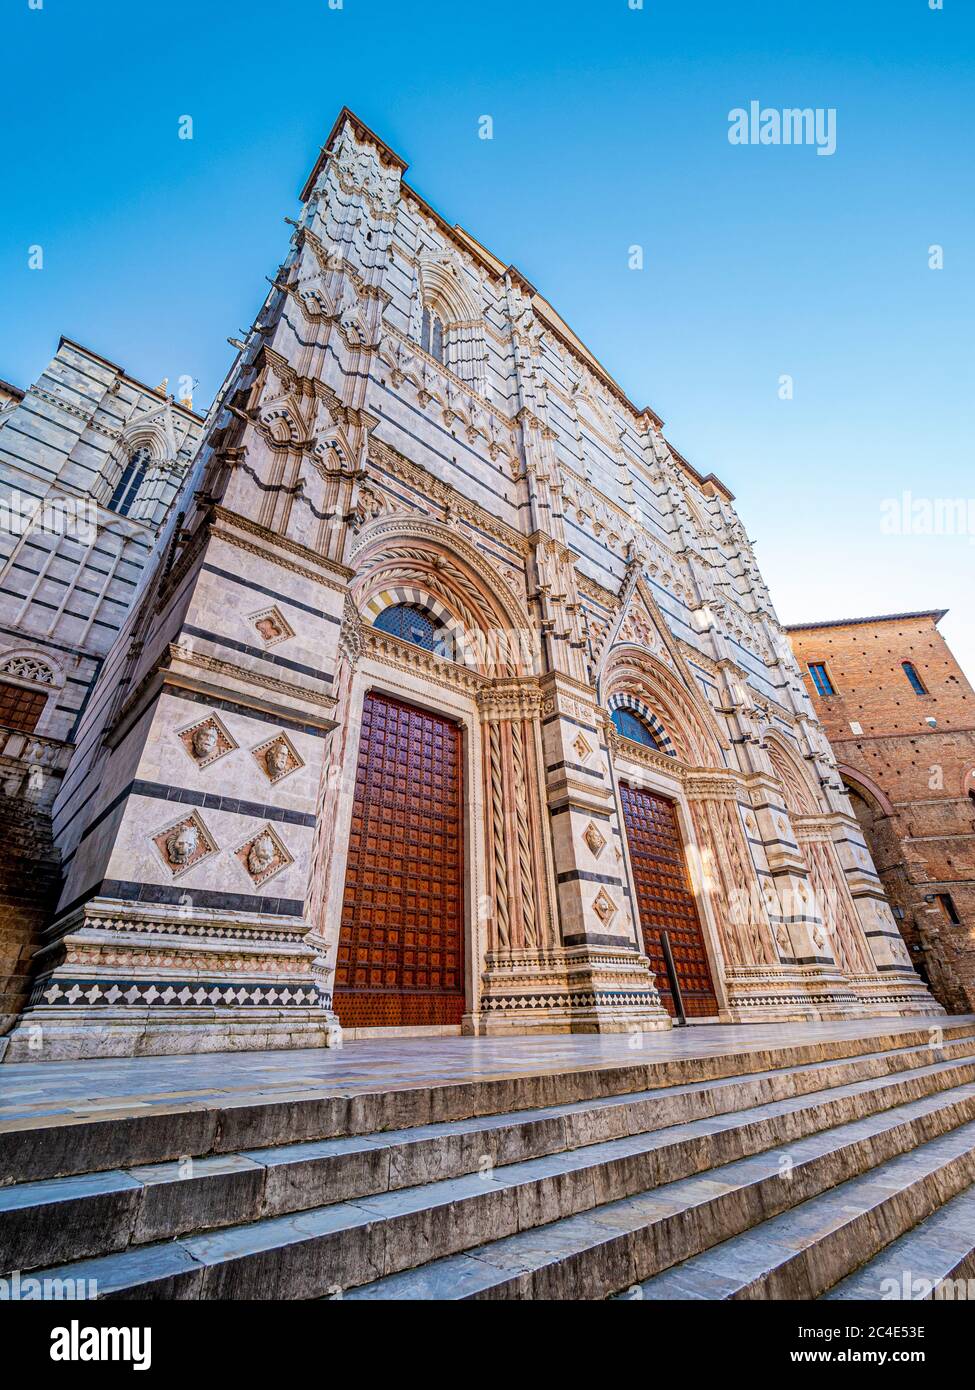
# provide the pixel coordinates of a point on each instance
(432, 334)
(127, 487)
(631, 726)
(21, 706)
(910, 671)
(411, 623)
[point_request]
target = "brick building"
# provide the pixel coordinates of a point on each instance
(900, 715)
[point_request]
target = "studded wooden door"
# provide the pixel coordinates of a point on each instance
(400, 955)
(665, 901)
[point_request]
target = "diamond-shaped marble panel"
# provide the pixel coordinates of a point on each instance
(271, 626)
(582, 747)
(604, 907)
(594, 839)
(277, 758)
(184, 844)
(206, 740)
(262, 856)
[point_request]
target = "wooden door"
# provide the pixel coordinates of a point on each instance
(400, 955)
(666, 902)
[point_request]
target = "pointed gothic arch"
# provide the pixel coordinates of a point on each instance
(801, 798)
(692, 732)
(451, 321)
(408, 559)
(866, 787)
(457, 645)
(141, 447)
(623, 700)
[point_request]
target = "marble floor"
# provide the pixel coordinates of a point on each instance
(47, 1090)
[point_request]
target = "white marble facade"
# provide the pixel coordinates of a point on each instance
(409, 421)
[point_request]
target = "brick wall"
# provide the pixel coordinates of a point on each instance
(912, 781)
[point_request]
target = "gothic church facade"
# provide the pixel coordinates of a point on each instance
(452, 700)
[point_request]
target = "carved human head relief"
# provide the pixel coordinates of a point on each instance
(271, 626)
(185, 844)
(205, 740)
(277, 758)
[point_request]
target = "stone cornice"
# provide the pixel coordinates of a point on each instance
(404, 656)
(323, 570)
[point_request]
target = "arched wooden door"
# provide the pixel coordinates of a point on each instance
(401, 944)
(666, 902)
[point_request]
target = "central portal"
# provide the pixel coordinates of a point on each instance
(401, 944)
(666, 902)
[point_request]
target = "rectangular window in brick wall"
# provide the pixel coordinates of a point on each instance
(914, 678)
(20, 708)
(947, 904)
(821, 680)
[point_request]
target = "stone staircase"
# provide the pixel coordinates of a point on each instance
(817, 1169)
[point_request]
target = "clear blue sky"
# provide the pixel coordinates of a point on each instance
(610, 129)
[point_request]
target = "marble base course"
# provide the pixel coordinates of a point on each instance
(941, 1248)
(805, 1252)
(345, 1246)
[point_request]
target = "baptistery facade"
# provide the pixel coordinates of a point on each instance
(454, 699)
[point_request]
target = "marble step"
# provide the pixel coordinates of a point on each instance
(618, 1245)
(803, 1252)
(342, 1246)
(132, 1132)
(918, 1265)
(75, 1217)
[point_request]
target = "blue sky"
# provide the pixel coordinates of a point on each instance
(610, 129)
